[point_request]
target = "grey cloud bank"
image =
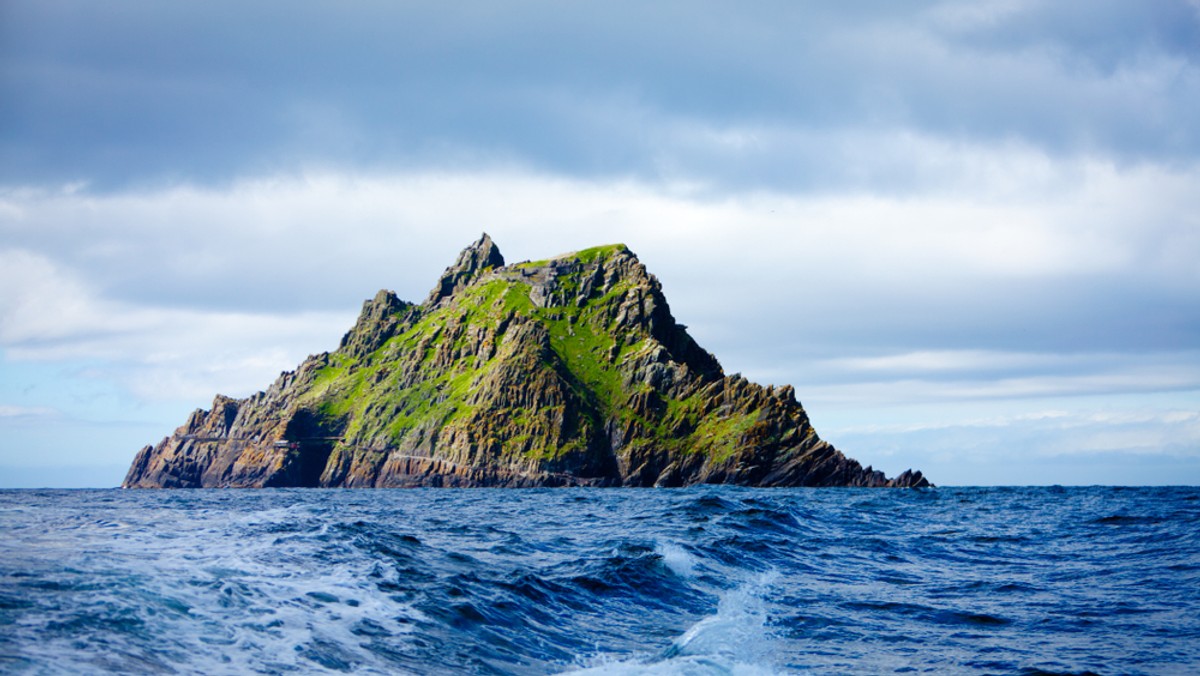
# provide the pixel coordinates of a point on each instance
(767, 95)
(921, 215)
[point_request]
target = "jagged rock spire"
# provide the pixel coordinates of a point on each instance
(478, 257)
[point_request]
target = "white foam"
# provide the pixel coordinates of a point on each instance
(244, 605)
(683, 666)
(734, 640)
(679, 560)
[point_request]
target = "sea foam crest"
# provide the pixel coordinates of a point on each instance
(733, 640)
(679, 560)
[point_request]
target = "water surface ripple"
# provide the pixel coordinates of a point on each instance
(706, 580)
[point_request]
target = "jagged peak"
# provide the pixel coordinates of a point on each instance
(476, 258)
(376, 323)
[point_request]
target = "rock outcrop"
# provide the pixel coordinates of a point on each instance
(565, 372)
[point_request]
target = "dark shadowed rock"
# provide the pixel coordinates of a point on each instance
(481, 256)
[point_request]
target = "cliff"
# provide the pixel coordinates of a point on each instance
(568, 371)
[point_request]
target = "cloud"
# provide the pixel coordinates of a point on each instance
(930, 376)
(1156, 432)
(1162, 373)
(292, 241)
(1074, 442)
(1115, 32)
(992, 287)
(35, 412)
(138, 94)
(156, 353)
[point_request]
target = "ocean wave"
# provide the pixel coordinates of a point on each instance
(708, 580)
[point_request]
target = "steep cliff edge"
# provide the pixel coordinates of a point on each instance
(568, 371)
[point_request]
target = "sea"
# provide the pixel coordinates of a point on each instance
(700, 580)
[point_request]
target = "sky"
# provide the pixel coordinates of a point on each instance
(968, 233)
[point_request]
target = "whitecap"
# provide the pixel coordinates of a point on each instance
(679, 560)
(734, 640)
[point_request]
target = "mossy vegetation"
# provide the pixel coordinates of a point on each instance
(719, 437)
(600, 253)
(428, 374)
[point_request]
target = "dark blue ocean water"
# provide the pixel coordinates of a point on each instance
(697, 581)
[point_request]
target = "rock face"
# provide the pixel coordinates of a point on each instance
(564, 372)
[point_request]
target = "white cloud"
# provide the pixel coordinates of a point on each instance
(995, 211)
(157, 353)
(1116, 440)
(973, 15)
(191, 276)
(942, 361)
(7, 411)
(1049, 418)
(1064, 377)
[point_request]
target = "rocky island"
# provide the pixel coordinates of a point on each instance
(564, 372)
